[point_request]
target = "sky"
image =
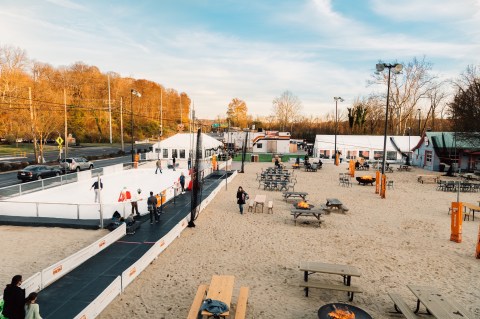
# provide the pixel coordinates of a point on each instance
(253, 50)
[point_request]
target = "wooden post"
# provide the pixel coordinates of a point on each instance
(456, 223)
(383, 186)
(377, 182)
(352, 168)
(478, 244)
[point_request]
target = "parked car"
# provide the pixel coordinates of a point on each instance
(38, 172)
(76, 164)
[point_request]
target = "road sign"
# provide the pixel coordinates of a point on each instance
(59, 140)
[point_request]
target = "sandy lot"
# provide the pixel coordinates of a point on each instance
(400, 240)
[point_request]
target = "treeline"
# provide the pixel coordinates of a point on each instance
(35, 97)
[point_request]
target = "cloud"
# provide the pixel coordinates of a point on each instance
(68, 4)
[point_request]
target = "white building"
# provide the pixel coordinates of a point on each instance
(180, 145)
(260, 142)
(369, 147)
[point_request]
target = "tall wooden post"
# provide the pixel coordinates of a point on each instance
(478, 244)
(383, 186)
(456, 222)
(377, 182)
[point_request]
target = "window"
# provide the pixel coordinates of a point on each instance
(182, 153)
(259, 145)
(364, 154)
(391, 155)
(351, 154)
(165, 153)
(378, 155)
(428, 158)
(174, 153)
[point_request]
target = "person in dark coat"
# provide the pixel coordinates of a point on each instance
(182, 182)
(242, 196)
(152, 208)
(14, 299)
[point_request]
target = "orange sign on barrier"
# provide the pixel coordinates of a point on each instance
(214, 162)
(352, 168)
(478, 244)
(377, 182)
(456, 223)
(383, 186)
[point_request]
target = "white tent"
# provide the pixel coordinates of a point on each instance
(181, 144)
(366, 146)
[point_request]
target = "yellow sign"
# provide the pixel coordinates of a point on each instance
(59, 140)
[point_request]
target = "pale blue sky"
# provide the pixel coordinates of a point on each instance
(251, 49)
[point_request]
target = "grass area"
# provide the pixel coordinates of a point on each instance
(6, 149)
(264, 157)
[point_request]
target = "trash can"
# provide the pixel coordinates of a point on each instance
(441, 167)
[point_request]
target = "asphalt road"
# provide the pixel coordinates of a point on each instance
(10, 178)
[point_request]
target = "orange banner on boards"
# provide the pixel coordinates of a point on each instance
(478, 244)
(383, 186)
(377, 183)
(456, 223)
(352, 168)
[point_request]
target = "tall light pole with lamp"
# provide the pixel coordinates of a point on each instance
(137, 94)
(336, 98)
(419, 122)
(397, 68)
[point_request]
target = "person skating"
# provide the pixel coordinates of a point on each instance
(152, 208)
(182, 182)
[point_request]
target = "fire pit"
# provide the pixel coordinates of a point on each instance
(341, 311)
(303, 205)
(364, 180)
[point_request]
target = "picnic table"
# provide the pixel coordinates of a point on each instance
(287, 195)
(333, 203)
(427, 179)
(438, 304)
(296, 213)
(259, 200)
(221, 288)
(346, 271)
(406, 168)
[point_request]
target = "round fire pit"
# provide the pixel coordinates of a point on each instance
(365, 181)
(310, 206)
(323, 312)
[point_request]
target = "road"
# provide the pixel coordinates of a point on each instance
(10, 178)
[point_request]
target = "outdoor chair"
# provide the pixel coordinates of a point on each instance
(390, 185)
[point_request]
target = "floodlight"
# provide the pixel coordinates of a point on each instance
(398, 68)
(380, 67)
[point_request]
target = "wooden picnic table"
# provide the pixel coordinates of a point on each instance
(302, 195)
(336, 204)
(221, 288)
(259, 200)
(307, 213)
(438, 304)
(346, 271)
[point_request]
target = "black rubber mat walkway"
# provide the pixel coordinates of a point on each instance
(69, 295)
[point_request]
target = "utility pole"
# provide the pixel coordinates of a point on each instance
(109, 108)
(161, 112)
(33, 125)
(121, 123)
(66, 128)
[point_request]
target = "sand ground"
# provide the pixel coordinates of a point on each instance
(400, 240)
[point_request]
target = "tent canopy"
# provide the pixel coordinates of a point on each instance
(365, 142)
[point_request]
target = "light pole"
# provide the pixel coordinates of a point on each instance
(336, 98)
(397, 69)
(419, 133)
(137, 94)
(409, 149)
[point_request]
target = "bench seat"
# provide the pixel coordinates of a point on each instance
(401, 306)
(328, 286)
(241, 311)
(197, 302)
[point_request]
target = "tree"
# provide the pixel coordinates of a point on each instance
(237, 113)
(286, 108)
(406, 89)
(465, 107)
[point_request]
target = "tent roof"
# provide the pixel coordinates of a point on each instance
(447, 140)
(360, 142)
(183, 141)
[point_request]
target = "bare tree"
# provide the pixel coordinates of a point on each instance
(286, 108)
(406, 88)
